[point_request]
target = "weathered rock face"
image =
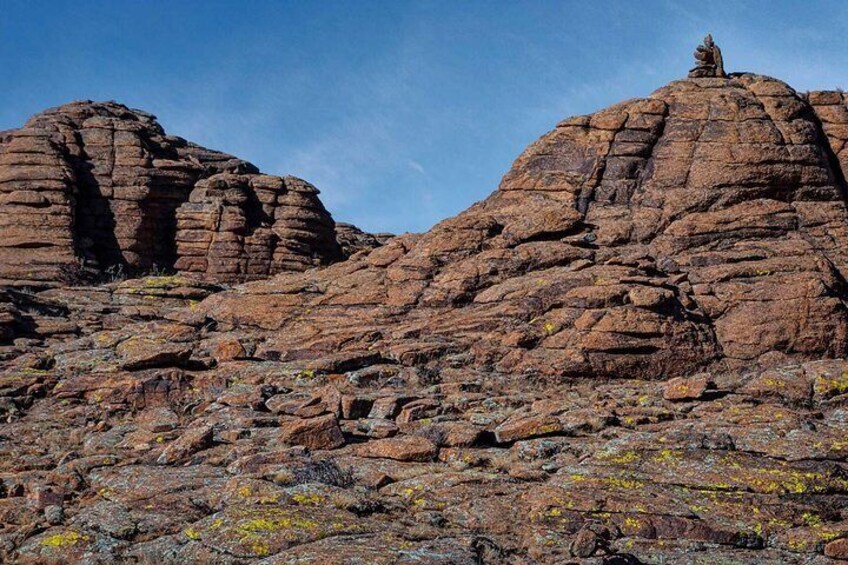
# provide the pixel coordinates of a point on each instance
(241, 227)
(703, 225)
(101, 183)
(832, 111)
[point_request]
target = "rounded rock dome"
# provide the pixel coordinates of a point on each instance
(702, 226)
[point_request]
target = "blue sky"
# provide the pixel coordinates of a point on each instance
(402, 113)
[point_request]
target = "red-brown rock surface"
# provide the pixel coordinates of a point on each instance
(241, 227)
(704, 226)
(102, 184)
(632, 352)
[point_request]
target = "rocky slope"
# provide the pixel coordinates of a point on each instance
(630, 353)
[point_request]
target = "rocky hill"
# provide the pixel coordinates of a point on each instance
(702, 227)
(94, 187)
(631, 352)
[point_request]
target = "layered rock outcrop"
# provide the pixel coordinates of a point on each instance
(242, 227)
(831, 109)
(100, 184)
(704, 224)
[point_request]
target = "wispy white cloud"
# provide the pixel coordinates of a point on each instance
(415, 166)
(345, 161)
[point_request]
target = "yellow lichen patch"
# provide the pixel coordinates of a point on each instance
(165, 281)
(308, 499)
(549, 429)
(824, 385)
(730, 460)
(811, 519)
(668, 456)
(810, 539)
(549, 328)
(624, 483)
(260, 548)
(192, 534)
(837, 447)
(632, 523)
(262, 525)
(827, 534)
(620, 458)
(103, 339)
(409, 492)
(779, 480)
(64, 539)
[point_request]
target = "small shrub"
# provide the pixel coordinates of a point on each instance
(324, 471)
(114, 273)
(78, 274)
(435, 433)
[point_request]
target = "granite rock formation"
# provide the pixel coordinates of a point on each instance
(701, 227)
(100, 185)
(241, 227)
(631, 352)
